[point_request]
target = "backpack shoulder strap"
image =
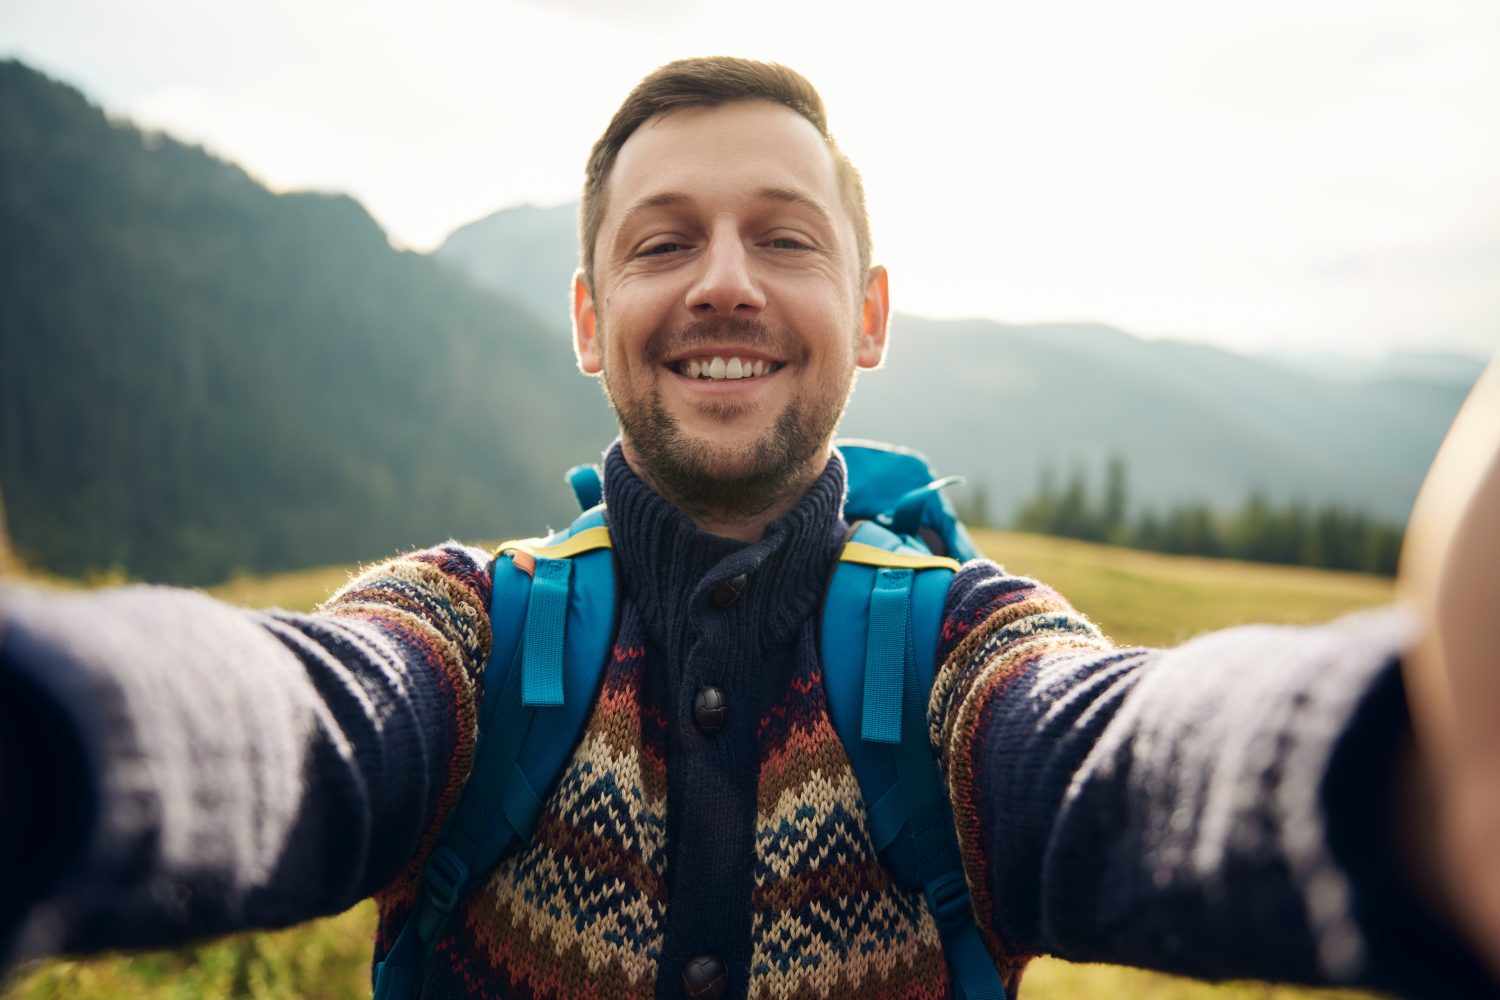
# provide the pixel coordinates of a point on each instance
(552, 617)
(881, 620)
(896, 488)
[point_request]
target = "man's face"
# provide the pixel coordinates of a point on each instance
(726, 250)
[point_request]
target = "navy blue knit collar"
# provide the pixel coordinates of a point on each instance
(668, 567)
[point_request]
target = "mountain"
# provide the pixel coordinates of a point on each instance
(527, 253)
(1001, 403)
(1423, 366)
(199, 377)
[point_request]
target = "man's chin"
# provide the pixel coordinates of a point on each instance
(730, 464)
(725, 460)
(724, 464)
(719, 477)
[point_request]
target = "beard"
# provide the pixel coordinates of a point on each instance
(705, 478)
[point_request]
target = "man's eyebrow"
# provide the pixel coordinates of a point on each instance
(666, 199)
(673, 199)
(792, 197)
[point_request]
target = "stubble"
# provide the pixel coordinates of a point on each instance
(711, 480)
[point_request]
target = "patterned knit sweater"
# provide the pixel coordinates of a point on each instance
(1213, 810)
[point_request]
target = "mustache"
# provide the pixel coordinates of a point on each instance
(741, 331)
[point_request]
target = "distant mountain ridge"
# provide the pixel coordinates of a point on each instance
(1424, 366)
(999, 403)
(1193, 423)
(527, 253)
(200, 377)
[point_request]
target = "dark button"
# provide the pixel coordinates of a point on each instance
(710, 710)
(704, 976)
(729, 591)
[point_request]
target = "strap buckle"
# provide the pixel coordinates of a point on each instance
(948, 898)
(443, 878)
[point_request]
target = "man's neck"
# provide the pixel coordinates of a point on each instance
(740, 526)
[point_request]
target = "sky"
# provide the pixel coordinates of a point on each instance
(1297, 176)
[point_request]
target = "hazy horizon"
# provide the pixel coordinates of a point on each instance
(1307, 177)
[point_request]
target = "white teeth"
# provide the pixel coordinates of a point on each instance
(722, 369)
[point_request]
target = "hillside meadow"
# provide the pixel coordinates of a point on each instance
(1136, 597)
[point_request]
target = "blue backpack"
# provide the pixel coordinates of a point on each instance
(552, 617)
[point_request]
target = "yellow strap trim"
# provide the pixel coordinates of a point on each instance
(869, 555)
(585, 541)
(855, 552)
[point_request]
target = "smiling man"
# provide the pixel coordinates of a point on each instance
(727, 298)
(1252, 804)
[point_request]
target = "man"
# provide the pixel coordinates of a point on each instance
(1224, 809)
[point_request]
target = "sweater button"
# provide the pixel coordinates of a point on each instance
(710, 710)
(728, 592)
(704, 976)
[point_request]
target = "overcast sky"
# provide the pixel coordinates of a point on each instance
(1280, 175)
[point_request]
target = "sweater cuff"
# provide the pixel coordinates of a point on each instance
(49, 807)
(1408, 949)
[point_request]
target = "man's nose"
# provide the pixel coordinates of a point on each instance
(726, 281)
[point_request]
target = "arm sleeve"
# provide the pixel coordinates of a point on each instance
(179, 767)
(1217, 810)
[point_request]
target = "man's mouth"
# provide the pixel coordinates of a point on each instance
(724, 369)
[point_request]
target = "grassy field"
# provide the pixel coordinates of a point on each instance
(1136, 597)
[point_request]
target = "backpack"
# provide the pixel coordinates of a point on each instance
(552, 619)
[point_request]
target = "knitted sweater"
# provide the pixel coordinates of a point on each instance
(1214, 810)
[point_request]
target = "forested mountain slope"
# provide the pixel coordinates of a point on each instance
(199, 376)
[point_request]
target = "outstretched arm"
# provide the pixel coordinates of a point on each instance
(194, 768)
(1225, 809)
(1213, 810)
(1450, 573)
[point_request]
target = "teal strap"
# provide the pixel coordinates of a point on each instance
(920, 785)
(444, 879)
(906, 517)
(588, 488)
(886, 655)
(395, 976)
(927, 806)
(886, 817)
(521, 804)
(471, 839)
(546, 621)
(969, 964)
(500, 804)
(472, 830)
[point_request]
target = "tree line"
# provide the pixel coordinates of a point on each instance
(200, 377)
(1329, 536)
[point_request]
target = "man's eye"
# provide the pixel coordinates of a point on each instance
(659, 249)
(787, 243)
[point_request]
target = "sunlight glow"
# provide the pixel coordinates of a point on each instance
(1292, 175)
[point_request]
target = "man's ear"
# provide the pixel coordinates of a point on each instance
(585, 328)
(875, 318)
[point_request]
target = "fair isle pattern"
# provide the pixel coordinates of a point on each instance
(1008, 624)
(827, 921)
(434, 603)
(579, 911)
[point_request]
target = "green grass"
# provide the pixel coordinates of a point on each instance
(1143, 598)
(1136, 597)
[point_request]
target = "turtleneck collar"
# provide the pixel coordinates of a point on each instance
(670, 568)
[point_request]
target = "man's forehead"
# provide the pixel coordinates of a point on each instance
(747, 148)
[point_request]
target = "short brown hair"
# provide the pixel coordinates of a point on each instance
(710, 82)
